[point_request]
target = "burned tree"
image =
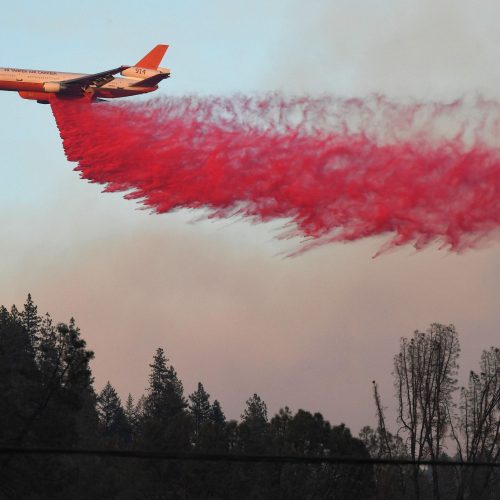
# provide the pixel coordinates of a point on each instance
(477, 429)
(425, 379)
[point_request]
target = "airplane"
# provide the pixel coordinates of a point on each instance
(40, 85)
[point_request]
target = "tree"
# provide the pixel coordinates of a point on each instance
(214, 435)
(19, 395)
(280, 428)
(165, 393)
(217, 416)
(380, 443)
(133, 414)
(425, 379)
(48, 355)
(200, 409)
(308, 433)
(165, 420)
(66, 408)
(209, 480)
(19, 380)
(165, 426)
(113, 422)
(77, 382)
(30, 319)
(213, 432)
(254, 428)
(477, 429)
(129, 409)
(46, 386)
(348, 481)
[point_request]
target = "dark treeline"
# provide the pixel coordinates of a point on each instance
(48, 399)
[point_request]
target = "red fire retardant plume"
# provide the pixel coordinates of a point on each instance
(335, 170)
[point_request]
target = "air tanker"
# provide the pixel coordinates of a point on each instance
(40, 85)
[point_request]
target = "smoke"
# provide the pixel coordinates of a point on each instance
(332, 169)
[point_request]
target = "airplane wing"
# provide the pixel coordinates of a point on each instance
(96, 79)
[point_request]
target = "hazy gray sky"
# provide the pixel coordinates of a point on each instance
(309, 332)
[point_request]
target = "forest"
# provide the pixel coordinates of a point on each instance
(48, 400)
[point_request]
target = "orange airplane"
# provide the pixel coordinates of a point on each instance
(40, 85)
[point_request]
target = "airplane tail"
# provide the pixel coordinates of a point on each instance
(153, 58)
(147, 71)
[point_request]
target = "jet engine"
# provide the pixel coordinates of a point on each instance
(53, 87)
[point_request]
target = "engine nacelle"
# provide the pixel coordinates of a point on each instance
(53, 87)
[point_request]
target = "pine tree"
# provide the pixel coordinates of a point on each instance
(217, 415)
(213, 435)
(139, 409)
(112, 419)
(4, 315)
(255, 411)
(30, 319)
(77, 382)
(15, 314)
(200, 409)
(165, 397)
(108, 403)
(130, 408)
(280, 428)
(165, 422)
(76, 357)
(48, 354)
(20, 390)
(130, 412)
(254, 428)
(19, 380)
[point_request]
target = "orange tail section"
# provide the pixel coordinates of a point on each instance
(153, 59)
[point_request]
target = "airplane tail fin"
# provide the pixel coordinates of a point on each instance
(153, 58)
(147, 70)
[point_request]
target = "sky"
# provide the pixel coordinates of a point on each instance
(230, 311)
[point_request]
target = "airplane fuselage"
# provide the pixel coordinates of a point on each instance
(32, 84)
(40, 85)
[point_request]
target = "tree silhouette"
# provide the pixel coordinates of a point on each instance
(47, 398)
(200, 409)
(114, 425)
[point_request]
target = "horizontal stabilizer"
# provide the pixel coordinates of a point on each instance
(152, 81)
